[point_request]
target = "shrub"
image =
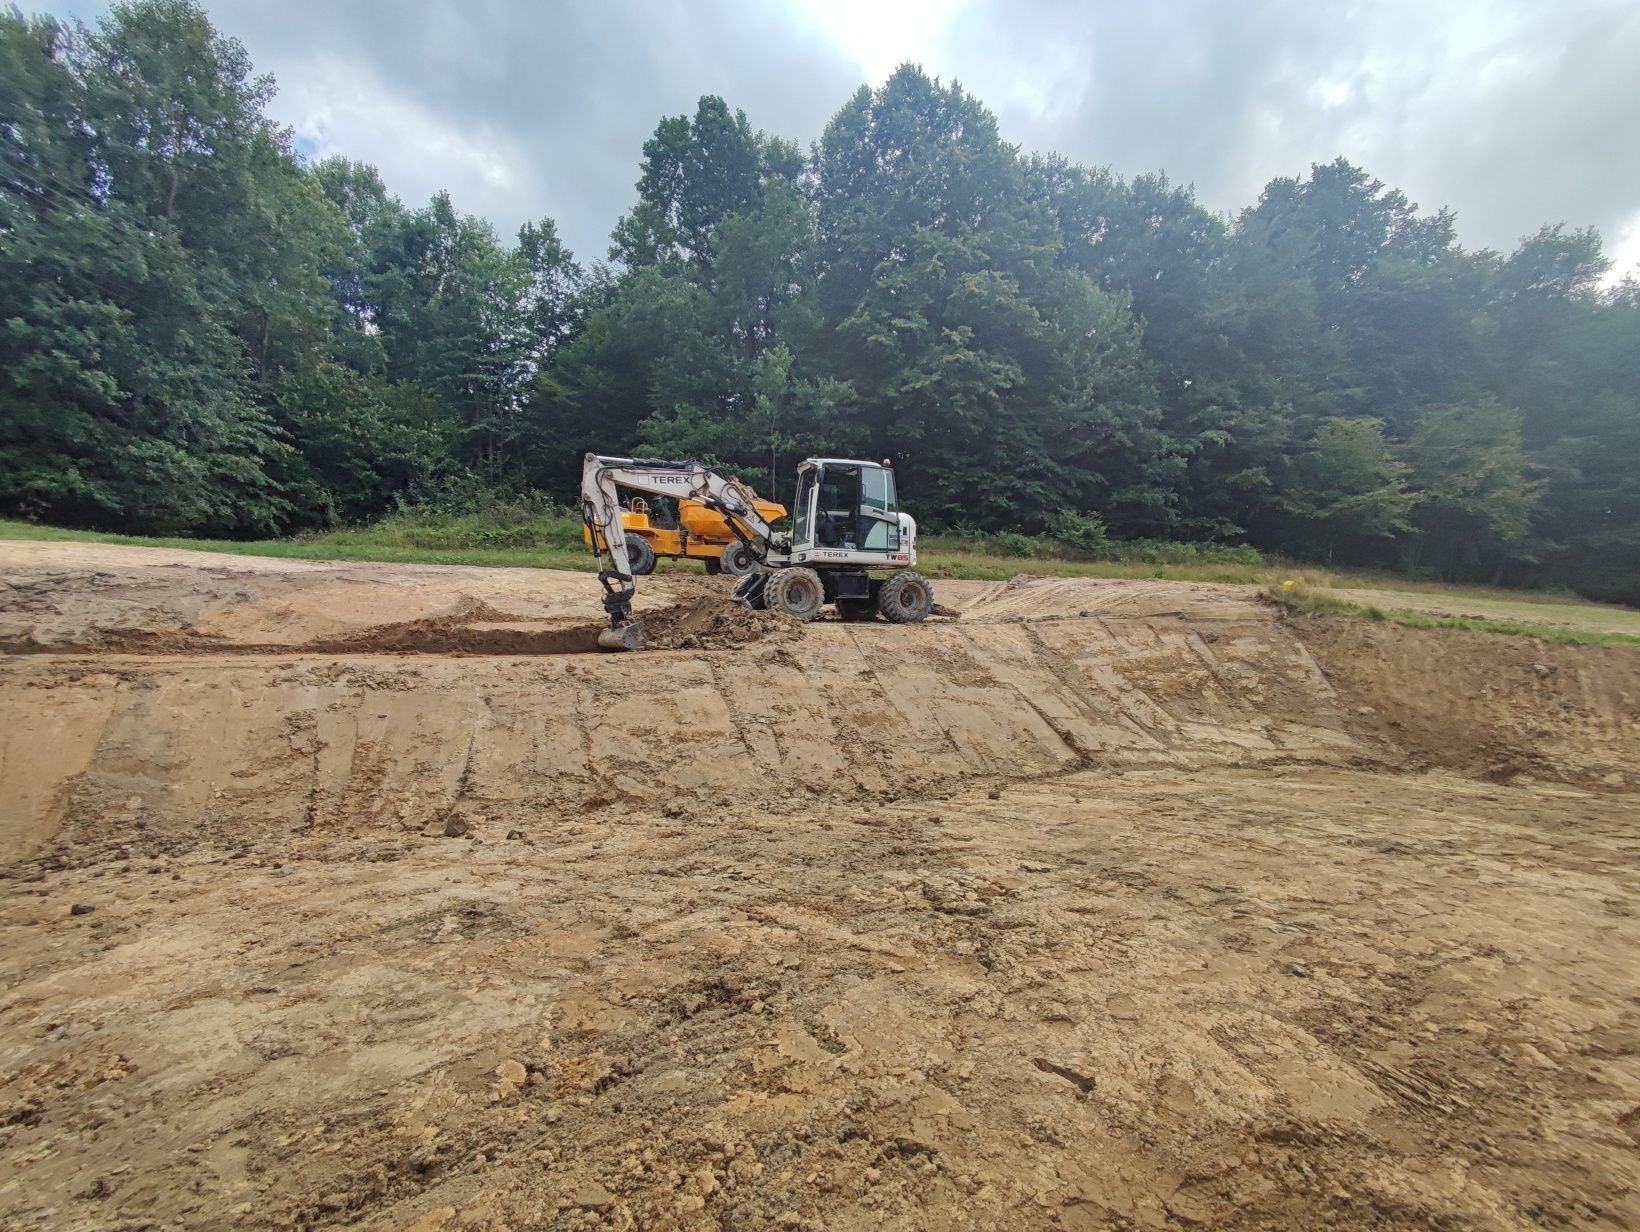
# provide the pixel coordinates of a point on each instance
(1085, 532)
(1169, 552)
(1012, 543)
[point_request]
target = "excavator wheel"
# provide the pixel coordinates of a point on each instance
(640, 555)
(905, 597)
(856, 609)
(714, 565)
(737, 559)
(797, 593)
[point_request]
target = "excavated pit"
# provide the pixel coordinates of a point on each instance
(347, 896)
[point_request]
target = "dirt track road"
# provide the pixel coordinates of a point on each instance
(1111, 905)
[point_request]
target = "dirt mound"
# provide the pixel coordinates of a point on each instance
(714, 622)
(1501, 707)
(473, 628)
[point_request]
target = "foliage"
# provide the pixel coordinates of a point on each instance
(1345, 489)
(1474, 496)
(1085, 532)
(202, 333)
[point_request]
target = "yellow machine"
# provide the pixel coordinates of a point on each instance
(701, 534)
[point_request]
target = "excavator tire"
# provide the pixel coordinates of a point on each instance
(737, 559)
(856, 609)
(714, 565)
(640, 555)
(797, 593)
(905, 598)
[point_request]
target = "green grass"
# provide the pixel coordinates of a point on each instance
(1518, 628)
(363, 545)
(1332, 604)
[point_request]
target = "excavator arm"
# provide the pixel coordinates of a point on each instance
(601, 510)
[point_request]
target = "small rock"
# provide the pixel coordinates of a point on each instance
(82, 909)
(1189, 1210)
(1298, 969)
(433, 1220)
(510, 1075)
(515, 834)
(455, 826)
(594, 1197)
(993, 794)
(1544, 670)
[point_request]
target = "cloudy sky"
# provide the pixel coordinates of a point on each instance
(1512, 112)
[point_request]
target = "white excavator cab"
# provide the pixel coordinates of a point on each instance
(845, 513)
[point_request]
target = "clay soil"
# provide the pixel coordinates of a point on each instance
(369, 896)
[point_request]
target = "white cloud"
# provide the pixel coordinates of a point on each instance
(1625, 252)
(880, 35)
(1512, 112)
(334, 106)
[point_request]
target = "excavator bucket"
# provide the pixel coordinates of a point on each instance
(750, 591)
(629, 636)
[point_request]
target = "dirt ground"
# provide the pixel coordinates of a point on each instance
(360, 896)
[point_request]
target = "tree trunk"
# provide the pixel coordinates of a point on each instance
(262, 353)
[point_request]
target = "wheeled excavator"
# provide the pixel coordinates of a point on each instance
(846, 530)
(695, 533)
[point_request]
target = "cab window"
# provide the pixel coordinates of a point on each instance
(834, 520)
(877, 510)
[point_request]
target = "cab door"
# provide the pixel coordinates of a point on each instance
(803, 510)
(879, 515)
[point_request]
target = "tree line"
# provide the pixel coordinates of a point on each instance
(200, 332)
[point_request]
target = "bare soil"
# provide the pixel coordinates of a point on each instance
(360, 896)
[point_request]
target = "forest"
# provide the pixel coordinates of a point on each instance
(203, 333)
